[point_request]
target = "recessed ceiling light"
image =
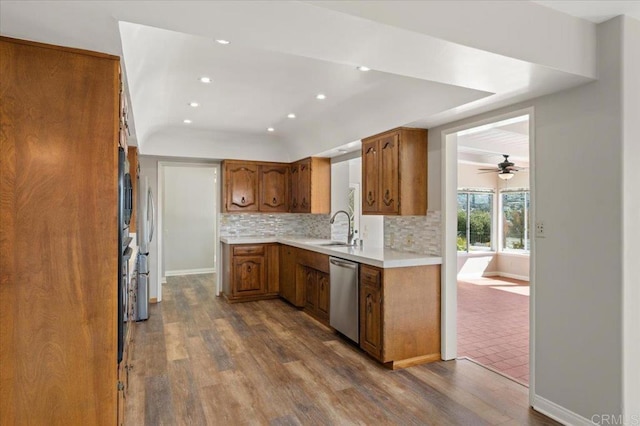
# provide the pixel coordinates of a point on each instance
(186, 121)
(361, 68)
(194, 104)
(291, 115)
(321, 96)
(205, 79)
(271, 129)
(223, 41)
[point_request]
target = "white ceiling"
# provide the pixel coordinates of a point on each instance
(486, 145)
(432, 62)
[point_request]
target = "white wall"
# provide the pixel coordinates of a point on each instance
(189, 219)
(631, 216)
(339, 198)
(470, 177)
(371, 226)
(578, 145)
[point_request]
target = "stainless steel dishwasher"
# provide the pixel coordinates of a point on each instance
(343, 310)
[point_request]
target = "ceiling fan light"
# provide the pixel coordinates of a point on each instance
(505, 175)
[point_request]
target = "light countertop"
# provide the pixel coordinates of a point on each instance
(375, 256)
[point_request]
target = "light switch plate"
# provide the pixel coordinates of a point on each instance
(540, 229)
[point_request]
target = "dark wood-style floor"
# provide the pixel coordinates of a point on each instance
(199, 361)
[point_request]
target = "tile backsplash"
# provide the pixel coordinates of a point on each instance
(268, 225)
(415, 234)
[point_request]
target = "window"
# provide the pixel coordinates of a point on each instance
(474, 221)
(515, 221)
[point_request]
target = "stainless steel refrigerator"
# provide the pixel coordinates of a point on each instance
(145, 229)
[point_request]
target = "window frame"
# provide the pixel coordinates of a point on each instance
(492, 233)
(502, 219)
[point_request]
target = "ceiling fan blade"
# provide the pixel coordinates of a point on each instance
(490, 170)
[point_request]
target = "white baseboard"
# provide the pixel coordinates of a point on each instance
(559, 413)
(514, 276)
(190, 272)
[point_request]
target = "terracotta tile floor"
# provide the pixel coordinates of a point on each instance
(493, 324)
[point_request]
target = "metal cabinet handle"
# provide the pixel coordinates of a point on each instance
(274, 201)
(242, 201)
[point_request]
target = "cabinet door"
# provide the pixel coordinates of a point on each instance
(304, 186)
(295, 185)
(273, 269)
(371, 311)
(389, 172)
(370, 167)
(288, 273)
(311, 289)
(323, 294)
(274, 188)
(249, 275)
(241, 186)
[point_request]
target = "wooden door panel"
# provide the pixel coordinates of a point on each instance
(274, 188)
(311, 289)
(273, 269)
(242, 183)
(370, 165)
(58, 244)
(389, 174)
(295, 185)
(323, 294)
(371, 320)
(288, 284)
(304, 187)
(249, 275)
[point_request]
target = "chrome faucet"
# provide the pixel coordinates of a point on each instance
(350, 232)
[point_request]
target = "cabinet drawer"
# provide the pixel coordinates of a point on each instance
(248, 250)
(370, 276)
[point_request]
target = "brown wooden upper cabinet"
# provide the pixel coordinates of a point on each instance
(274, 187)
(394, 173)
(240, 186)
(311, 186)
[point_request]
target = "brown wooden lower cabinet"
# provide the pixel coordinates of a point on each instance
(400, 314)
(289, 289)
(316, 284)
(250, 271)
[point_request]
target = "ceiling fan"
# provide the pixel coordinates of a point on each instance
(505, 169)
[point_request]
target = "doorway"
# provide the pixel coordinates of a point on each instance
(488, 249)
(187, 198)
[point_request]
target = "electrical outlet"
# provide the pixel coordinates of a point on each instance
(409, 241)
(540, 229)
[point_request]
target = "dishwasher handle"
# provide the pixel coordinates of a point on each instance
(343, 263)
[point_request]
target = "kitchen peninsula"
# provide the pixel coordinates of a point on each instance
(399, 292)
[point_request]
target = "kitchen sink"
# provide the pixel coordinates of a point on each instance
(334, 243)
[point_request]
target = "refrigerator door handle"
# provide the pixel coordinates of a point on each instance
(151, 212)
